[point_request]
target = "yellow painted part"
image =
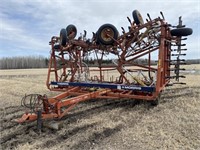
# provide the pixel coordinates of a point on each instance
(139, 81)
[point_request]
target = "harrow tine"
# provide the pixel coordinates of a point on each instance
(178, 55)
(180, 25)
(175, 69)
(171, 84)
(181, 63)
(184, 39)
(129, 20)
(185, 49)
(180, 83)
(123, 31)
(178, 44)
(173, 77)
(149, 16)
(162, 15)
(85, 33)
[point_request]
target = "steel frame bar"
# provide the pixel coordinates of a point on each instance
(74, 90)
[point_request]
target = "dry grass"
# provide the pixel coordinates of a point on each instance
(103, 124)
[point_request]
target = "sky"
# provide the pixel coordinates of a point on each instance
(26, 26)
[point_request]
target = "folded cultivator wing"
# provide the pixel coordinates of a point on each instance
(145, 57)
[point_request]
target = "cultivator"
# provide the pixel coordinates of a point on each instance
(141, 65)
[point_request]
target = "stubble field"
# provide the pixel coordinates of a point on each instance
(103, 124)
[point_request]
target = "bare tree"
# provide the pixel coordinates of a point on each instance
(23, 62)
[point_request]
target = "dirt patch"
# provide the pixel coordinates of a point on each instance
(113, 124)
(105, 124)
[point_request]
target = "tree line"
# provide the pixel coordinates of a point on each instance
(23, 62)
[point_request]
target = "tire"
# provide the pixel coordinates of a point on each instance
(154, 102)
(63, 37)
(71, 31)
(102, 32)
(137, 17)
(181, 32)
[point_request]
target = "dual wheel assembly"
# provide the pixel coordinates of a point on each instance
(107, 34)
(67, 34)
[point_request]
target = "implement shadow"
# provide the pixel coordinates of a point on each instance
(99, 108)
(96, 138)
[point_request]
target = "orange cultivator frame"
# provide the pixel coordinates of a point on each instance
(70, 73)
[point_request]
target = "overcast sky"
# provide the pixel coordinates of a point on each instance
(26, 26)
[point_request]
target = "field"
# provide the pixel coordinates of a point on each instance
(103, 124)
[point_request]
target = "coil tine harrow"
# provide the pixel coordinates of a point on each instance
(129, 75)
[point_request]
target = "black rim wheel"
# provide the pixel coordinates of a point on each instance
(106, 34)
